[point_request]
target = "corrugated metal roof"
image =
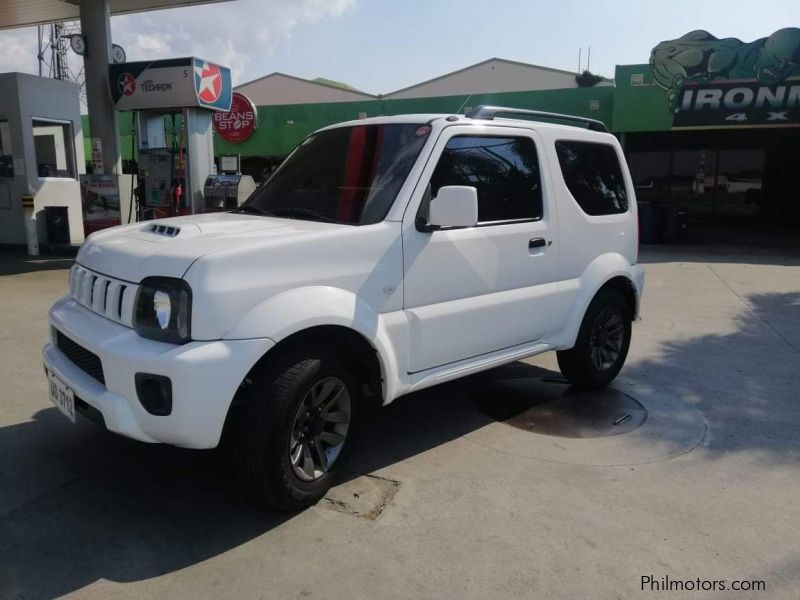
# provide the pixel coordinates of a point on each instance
(22, 13)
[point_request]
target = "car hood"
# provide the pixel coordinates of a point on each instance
(168, 247)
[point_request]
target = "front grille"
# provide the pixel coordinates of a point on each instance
(104, 295)
(86, 361)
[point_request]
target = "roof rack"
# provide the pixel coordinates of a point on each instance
(486, 111)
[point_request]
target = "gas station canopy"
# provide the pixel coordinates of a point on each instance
(23, 13)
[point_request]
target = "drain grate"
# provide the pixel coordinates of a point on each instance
(365, 496)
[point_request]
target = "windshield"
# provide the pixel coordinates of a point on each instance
(344, 175)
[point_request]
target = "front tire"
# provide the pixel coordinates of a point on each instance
(602, 344)
(298, 425)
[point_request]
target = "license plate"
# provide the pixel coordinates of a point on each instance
(62, 396)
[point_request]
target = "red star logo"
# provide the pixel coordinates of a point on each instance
(127, 84)
(209, 85)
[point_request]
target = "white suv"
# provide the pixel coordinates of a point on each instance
(384, 256)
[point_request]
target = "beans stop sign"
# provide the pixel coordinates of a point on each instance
(239, 122)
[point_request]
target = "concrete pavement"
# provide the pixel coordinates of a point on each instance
(706, 488)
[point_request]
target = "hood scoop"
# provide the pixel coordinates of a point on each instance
(210, 225)
(167, 230)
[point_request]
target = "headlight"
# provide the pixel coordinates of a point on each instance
(164, 310)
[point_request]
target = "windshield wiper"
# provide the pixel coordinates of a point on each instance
(308, 213)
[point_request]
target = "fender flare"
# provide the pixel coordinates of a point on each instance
(300, 309)
(598, 273)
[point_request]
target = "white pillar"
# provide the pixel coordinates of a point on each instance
(200, 155)
(31, 233)
(103, 123)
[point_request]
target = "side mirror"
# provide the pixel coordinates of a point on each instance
(454, 206)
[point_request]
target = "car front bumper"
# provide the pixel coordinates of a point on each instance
(205, 376)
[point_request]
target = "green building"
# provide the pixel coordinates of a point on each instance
(709, 125)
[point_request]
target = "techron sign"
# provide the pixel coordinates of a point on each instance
(729, 83)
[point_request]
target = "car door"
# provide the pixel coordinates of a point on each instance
(475, 290)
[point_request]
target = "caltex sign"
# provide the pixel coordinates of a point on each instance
(239, 122)
(171, 83)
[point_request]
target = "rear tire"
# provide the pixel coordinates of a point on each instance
(296, 429)
(602, 344)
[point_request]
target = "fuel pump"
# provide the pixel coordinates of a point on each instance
(173, 101)
(162, 169)
(155, 184)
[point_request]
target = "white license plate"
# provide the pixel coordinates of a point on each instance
(62, 396)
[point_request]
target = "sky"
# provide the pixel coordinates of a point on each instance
(382, 45)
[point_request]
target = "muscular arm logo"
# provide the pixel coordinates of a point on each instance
(700, 57)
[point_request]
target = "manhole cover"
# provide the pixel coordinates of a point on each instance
(552, 407)
(536, 414)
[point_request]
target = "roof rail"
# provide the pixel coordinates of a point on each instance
(485, 111)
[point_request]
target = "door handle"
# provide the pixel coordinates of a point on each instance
(537, 243)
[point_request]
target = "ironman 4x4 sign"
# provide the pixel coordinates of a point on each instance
(728, 82)
(172, 83)
(239, 122)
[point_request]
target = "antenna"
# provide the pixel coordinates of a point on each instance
(463, 104)
(589, 58)
(52, 55)
(579, 59)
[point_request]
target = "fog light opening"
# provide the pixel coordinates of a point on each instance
(155, 393)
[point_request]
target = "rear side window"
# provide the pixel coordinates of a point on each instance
(504, 170)
(593, 176)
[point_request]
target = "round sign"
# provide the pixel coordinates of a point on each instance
(77, 43)
(239, 122)
(117, 54)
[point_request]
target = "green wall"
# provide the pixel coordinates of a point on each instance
(275, 136)
(282, 127)
(639, 108)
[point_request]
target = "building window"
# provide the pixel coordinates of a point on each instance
(53, 143)
(593, 177)
(650, 174)
(504, 170)
(6, 155)
(739, 183)
(692, 179)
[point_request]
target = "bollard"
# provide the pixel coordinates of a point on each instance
(30, 225)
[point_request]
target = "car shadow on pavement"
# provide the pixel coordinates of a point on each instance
(146, 511)
(149, 510)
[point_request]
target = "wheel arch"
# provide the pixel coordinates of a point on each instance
(624, 286)
(324, 313)
(315, 310)
(609, 271)
(355, 344)
(349, 340)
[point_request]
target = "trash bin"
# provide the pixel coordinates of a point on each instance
(57, 222)
(673, 224)
(648, 223)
